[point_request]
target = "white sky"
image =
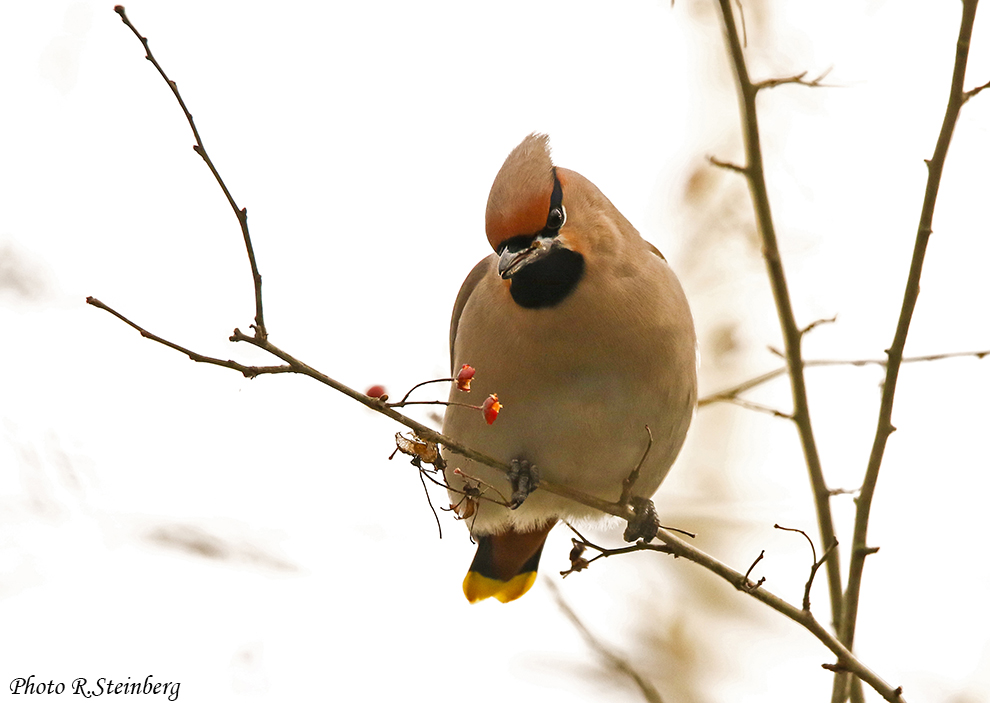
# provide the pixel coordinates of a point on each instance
(363, 139)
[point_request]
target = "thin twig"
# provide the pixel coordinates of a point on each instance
(817, 323)
(975, 91)
(811, 542)
(754, 173)
(630, 480)
(605, 552)
(729, 394)
(727, 165)
(806, 601)
(798, 79)
(758, 407)
(241, 213)
(429, 502)
(748, 585)
(847, 629)
(816, 563)
(475, 491)
(248, 371)
(402, 402)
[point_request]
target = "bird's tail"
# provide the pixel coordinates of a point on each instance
(505, 564)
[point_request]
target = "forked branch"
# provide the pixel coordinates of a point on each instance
(673, 545)
(798, 79)
(241, 213)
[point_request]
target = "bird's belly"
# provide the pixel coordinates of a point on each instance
(590, 434)
(587, 430)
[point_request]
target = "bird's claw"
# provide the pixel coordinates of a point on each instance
(644, 523)
(524, 478)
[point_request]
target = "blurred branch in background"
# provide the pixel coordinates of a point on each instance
(613, 661)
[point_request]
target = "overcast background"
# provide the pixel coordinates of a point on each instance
(251, 540)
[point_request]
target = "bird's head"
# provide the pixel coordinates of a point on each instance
(526, 223)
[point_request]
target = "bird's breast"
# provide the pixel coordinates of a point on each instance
(580, 382)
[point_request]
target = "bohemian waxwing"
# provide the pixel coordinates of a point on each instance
(582, 330)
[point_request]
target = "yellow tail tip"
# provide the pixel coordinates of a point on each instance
(478, 587)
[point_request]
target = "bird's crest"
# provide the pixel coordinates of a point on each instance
(520, 197)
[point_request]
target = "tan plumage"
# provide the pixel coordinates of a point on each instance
(589, 340)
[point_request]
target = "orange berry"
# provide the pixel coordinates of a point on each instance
(491, 408)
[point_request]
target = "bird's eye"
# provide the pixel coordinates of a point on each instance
(556, 218)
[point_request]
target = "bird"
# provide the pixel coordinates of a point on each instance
(582, 332)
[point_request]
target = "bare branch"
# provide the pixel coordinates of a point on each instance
(817, 563)
(798, 79)
(728, 165)
(758, 407)
(248, 371)
(748, 585)
(824, 321)
(429, 502)
(913, 359)
(811, 542)
(975, 91)
(605, 552)
(402, 402)
(912, 289)
(241, 213)
(630, 480)
(754, 173)
(729, 394)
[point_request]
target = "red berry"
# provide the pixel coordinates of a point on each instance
(464, 377)
(490, 408)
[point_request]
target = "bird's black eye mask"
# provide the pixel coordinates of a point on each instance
(557, 215)
(555, 220)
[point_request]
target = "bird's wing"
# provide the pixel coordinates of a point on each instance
(467, 288)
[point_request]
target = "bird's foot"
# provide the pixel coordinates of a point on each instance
(644, 523)
(524, 478)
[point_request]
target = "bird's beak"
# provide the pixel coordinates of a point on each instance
(512, 262)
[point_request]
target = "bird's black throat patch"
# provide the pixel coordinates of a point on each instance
(550, 280)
